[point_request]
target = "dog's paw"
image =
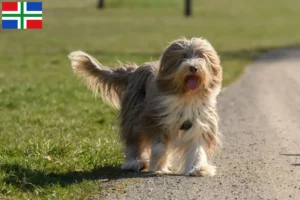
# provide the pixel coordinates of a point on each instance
(135, 165)
(208, 171)
(163, 171)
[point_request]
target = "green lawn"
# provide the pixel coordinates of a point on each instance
(56, 140)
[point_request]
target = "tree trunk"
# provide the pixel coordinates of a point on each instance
(188, 8)
(100, 4)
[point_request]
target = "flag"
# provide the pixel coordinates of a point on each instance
(22, 15)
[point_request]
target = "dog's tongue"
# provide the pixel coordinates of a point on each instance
(192, 82)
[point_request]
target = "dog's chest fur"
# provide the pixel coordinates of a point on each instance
(174, 113)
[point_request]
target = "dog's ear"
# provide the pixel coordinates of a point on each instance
(211, 57)
(172, 56)
(213, 60)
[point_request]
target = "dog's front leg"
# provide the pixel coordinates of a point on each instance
(131, 159)
(159, 155)
(197, 163)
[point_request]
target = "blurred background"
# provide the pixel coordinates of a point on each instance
(51, 124)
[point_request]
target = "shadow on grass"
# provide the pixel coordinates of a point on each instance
(28, 180)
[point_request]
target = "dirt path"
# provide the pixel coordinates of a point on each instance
(261, 155)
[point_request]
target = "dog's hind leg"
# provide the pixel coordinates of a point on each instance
(145, 152)
(197, 163)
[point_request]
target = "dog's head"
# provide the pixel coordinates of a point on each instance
(189, 67)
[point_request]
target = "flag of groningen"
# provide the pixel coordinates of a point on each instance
(22, 15)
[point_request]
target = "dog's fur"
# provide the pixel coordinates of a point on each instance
(155, 99)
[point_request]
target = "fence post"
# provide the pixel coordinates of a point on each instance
(100, 4)
(188, 8)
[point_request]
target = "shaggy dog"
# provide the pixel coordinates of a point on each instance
(167, 108)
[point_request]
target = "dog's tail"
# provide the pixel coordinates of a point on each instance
(109, 83)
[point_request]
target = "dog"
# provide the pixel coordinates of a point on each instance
(167, 108)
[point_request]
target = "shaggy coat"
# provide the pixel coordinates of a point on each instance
(168, 117)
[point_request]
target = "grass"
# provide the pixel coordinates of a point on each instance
(56, 140)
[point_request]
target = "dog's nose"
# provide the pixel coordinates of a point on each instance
(193, 69)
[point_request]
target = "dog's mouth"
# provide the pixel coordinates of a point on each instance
(191, 82)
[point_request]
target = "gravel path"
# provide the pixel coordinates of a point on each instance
(260, 159)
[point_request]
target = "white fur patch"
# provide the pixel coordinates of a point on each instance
(176, 112)
(188, 154)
